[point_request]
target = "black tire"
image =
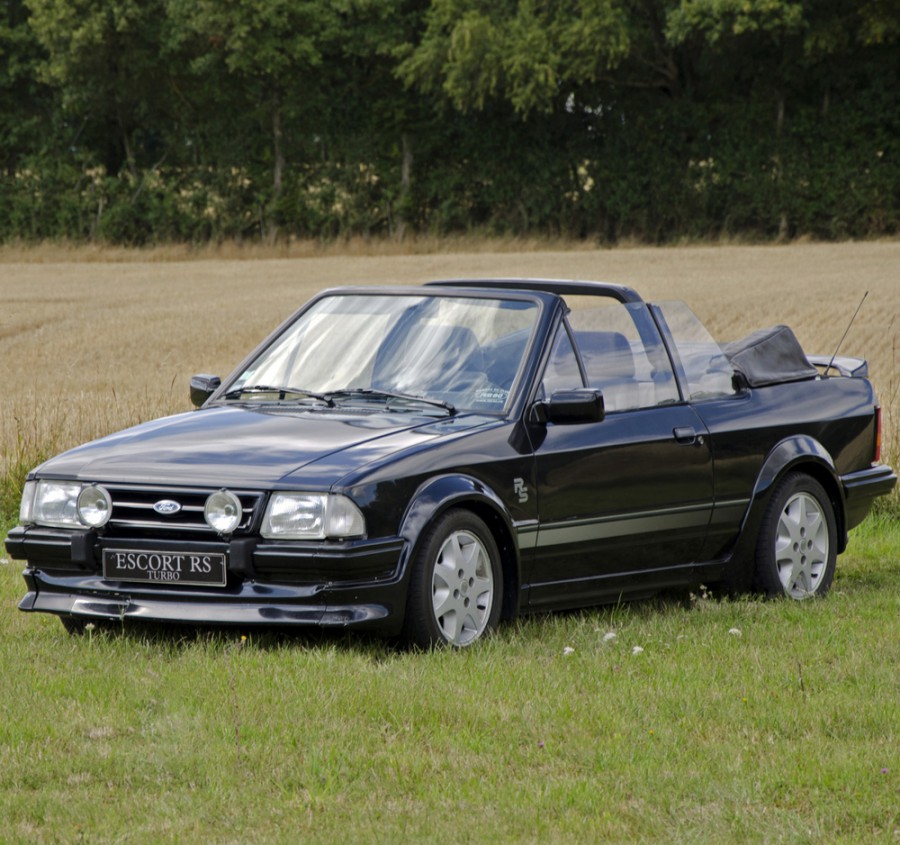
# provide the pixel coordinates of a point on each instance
(456, 584)
(796, 551)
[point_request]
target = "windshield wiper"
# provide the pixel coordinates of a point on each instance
(281, 391)
(392, 394)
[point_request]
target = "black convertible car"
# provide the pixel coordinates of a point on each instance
(425, 462)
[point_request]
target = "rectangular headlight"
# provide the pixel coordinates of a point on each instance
(311, 516)
(54, 504)
(26, 508)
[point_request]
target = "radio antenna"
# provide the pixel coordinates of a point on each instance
(846, 332)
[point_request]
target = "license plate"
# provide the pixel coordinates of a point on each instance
(193, 568)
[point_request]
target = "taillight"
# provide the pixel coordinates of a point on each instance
(877, 435)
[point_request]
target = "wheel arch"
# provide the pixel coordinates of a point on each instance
(799, 454)
(438, 495)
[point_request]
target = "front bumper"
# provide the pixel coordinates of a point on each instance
(359, 583)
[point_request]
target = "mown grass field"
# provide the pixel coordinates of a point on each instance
(739, 722)
(700, 721)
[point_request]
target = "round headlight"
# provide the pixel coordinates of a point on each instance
(94, 506)
(223, 511)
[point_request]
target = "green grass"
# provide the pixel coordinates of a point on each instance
(788, 731)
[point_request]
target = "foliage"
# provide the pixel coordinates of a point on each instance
(474, 52)
(23, 98)
(146, 122)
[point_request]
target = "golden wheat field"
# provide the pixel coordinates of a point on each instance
(89, 345)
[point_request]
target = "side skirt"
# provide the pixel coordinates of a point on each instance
(620, 586)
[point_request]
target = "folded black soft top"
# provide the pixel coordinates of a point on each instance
(769, 356)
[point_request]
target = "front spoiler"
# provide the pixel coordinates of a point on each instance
(186, 612)
(359, 583)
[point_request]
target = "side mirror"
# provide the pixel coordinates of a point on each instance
(202, 387)
(571, 407)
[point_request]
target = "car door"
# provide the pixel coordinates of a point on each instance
(624, 504)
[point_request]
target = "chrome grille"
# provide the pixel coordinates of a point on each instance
(133, 513)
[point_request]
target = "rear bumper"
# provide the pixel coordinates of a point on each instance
(862, 488)
(359, 584)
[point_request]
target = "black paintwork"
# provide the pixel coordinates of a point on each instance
(585, 506)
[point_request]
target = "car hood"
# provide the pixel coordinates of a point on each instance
(252, 446)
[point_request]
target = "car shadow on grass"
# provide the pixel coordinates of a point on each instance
(178, 637)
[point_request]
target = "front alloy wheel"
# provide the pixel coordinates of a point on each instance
(797, 548)
(456, 583)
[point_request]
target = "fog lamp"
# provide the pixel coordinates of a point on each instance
(223, 511)
(94, 506)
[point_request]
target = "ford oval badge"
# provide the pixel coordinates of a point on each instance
(167, 507)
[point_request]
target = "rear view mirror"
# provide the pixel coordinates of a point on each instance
(202, 387)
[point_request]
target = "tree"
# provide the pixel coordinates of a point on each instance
(273, 48)
(525, 52)
(25, 103)
(105, 59)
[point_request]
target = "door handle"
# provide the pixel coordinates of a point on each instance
(686, 436)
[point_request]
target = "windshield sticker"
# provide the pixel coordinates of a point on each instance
(491, 396)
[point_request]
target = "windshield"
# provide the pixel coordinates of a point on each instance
(460, 352)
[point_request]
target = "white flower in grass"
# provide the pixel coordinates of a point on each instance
(637, 650)
(568, 650)
(735, 632)
(609, 637)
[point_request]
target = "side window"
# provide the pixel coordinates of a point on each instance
(562, 371)
(622, 354)
(708, 372)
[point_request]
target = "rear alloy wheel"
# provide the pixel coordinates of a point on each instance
(797, 548)
(456, 583)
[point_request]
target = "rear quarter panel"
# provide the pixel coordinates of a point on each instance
(745, 430)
